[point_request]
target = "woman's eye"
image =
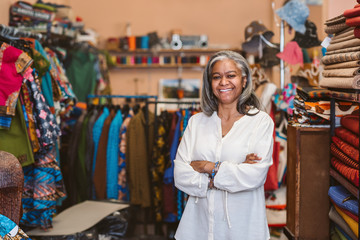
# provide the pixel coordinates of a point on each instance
(216, 77)
(231, 76)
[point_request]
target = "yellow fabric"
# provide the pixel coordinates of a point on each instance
(351, 222)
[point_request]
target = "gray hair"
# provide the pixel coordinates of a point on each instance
(247, 98)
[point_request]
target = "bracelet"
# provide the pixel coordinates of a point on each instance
(215, 169)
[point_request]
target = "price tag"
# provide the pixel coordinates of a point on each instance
(326, 42)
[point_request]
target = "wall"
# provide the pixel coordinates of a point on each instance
(224, 22)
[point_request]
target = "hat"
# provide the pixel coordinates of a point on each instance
(253, 33)
(269, 58)
(295, 14)
(292, 54)
(310, 38)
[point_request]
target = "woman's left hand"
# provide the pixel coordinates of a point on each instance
(202, 166)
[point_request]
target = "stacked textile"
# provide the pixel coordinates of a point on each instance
(345, 149)
(344, 212)
(342, 56)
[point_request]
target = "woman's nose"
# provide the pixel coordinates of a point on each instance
(223, 80)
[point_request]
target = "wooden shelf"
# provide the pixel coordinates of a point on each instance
(344, 182)
(170, 51)
(151, 66)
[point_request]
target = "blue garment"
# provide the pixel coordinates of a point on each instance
(169, 172)
(6, 225)
(97, 129)
(112, 157)
(46, 86)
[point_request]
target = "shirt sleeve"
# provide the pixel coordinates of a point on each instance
(186, 178)
(233, 177)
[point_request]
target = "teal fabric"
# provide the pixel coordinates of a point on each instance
(112, 157)
(81, 73)
(6, 225)
(46, 86)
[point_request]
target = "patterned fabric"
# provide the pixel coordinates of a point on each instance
(43, 187)
(285, 99)
(112, 157)
(10, 77)
(352, 174)
(10, 231)
(31, 127)
(322, 108)
(160, 156)
(346, 96)
(312, 93)
(346, 148)
(347, 136)
(47, 129)
(342, 157)
(123, 188)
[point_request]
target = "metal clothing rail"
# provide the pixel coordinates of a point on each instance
(121, 96)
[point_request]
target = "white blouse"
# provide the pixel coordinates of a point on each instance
(236, 209)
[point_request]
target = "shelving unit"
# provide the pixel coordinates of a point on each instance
(163, 58)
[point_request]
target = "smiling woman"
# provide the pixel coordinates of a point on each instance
(224, 156)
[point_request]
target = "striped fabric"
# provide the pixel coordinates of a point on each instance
(347, 136)
(347, 212)
(350, 151)
(342, 157)
(352, 174)
(344, 199)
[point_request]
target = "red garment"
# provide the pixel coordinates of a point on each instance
(347, 136)
(271, 182)
(353, 12)
(346, 148)
(353, 22)
(336, 152)
(13, 62)
(349, 173)
(350, 122)
(357, 5)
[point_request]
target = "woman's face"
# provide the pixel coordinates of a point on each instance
(227, 81)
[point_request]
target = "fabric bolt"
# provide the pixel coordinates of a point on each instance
(123, 187)
(346, 148)
(342, 157)
(341, 82)
(343, 198)
(112, 157)
(343, 50)
(100, 170)
(322, 108)
(354, 226)
(343, 65)
(312, 93)
(352, 174)
(239, 186)
(81, 73)
(351, 122)
(98, 126)
(354, 42)
(13, 62)
(47, 129)
(340, 57)
(336, 218)
(139, 143)
(343, 36)
(16, 140)
(341, 72)
(46, 85)
(333, 29)
(25, 97)
(354, 97)
(353, 12)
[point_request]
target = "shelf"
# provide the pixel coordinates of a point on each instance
(170, 51)
(344, 182)
(145, 66)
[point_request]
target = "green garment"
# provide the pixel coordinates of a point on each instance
(16, 140)
(81, 73)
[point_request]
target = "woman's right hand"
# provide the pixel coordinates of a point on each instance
(252, 158)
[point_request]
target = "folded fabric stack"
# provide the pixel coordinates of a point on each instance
(342, 57)
(344, 213)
